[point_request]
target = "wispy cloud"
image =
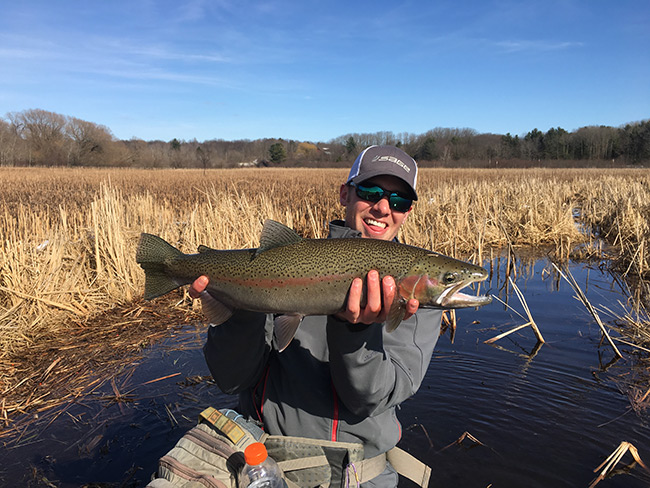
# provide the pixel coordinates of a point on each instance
(25, 47)
(153, 74)
(20, 53)
(535, 45)
(192, 11)
(120, 48)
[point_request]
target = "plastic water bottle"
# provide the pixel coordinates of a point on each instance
(260, 471)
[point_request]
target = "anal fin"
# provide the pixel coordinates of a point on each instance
(285, 327)
(215, 311)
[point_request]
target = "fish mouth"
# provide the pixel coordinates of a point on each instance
(453, 298)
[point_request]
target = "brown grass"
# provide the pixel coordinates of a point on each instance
(68, 236)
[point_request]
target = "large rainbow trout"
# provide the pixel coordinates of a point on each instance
(293, 276)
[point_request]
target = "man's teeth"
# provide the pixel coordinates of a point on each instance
(375, 223)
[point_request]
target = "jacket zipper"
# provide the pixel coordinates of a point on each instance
(335, 415)
(263, 380)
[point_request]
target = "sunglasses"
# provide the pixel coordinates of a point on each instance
(375, 193)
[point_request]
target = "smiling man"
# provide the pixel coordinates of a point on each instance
(343, 376)
(379, 168)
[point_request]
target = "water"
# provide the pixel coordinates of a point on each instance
(546, 417)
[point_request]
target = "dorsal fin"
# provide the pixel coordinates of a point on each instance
(275, 234)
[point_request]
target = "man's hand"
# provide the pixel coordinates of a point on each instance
(380, 297)
(199, 285)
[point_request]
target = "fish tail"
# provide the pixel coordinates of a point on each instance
(152, 255)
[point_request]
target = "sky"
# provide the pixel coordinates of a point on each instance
(316, 70)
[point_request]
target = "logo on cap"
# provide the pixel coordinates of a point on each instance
(392, 159)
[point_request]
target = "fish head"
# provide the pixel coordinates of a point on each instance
(436, 280)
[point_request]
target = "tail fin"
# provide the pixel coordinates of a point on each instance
(151, 255)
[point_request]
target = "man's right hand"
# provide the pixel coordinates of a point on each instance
(199, 286)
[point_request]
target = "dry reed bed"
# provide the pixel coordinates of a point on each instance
(68, 236)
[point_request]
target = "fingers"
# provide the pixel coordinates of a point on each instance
(388, 290)
(411, 307)
(353, 307)
(372, 312)
(379, 297)
(199, 285)
(373, 308)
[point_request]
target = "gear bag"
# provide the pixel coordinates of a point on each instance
(210, 455)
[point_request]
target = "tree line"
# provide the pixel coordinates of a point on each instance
(37, 137)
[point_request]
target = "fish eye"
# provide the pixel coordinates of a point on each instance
(450, 277)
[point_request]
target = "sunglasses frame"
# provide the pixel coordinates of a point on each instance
(389, 195)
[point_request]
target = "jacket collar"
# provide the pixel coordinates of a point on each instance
(339, 230)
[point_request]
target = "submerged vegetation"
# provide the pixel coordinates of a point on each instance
(69, 238)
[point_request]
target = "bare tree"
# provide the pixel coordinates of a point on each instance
(91, 143)
(43, 132)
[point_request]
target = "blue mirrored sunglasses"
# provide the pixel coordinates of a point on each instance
(374, 193)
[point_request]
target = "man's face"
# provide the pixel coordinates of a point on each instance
(375, 220)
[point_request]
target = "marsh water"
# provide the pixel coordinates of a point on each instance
(544, 417)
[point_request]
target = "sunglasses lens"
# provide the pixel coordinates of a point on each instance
(375, 193)
(400, 204)
(371, 194)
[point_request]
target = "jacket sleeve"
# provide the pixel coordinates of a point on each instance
(237, 350)
(374, 370)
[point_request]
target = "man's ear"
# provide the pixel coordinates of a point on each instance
(344, 194)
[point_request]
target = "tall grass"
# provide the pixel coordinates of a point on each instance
(68, 236)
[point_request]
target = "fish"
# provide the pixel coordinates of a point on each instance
(292, 276)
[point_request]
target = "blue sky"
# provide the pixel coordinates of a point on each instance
(315, 70)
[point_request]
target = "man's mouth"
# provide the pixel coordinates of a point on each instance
(375, 223)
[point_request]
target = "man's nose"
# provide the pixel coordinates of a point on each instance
(383, 206)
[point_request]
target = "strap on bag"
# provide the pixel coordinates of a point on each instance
(405, 464)
(409, 466)
(230, 427)
(303, 463)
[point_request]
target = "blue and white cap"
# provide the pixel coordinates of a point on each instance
(385, 160)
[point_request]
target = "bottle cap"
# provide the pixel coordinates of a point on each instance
(255, 454)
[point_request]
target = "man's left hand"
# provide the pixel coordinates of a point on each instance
(380, 296)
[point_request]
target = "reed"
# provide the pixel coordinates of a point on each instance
(607, 467)
(68, 236)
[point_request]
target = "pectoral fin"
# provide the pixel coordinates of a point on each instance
(285, 327)
(396, 314)
(215, 311)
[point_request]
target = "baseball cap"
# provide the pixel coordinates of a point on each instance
(385, 160)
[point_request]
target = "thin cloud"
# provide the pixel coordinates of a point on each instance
(17, 53)
(161, 52)
(145, 73)
(536, 45)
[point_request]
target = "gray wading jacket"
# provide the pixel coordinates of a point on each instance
(335, 381)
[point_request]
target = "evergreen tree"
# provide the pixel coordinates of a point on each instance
(277, 153)
(351, 145)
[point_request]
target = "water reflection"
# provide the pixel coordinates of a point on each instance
(550, 413)
(544, 415)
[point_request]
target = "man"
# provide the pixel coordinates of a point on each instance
(342, 376)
